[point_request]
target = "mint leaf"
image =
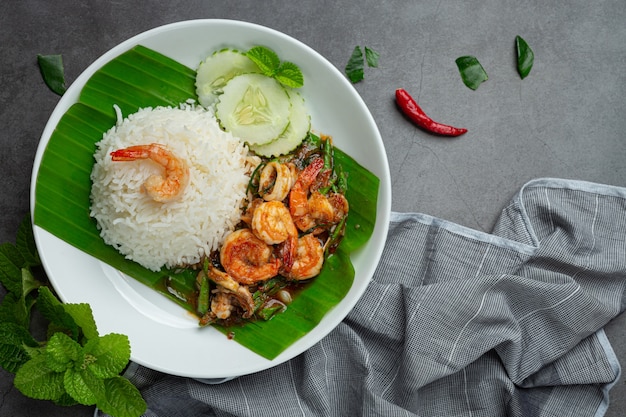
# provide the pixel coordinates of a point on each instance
(11, 262)
(14, 310)
(14, 340)
(36, 380)
(122, 399)
(51, 67)
(289, 74)
(83, 317)
(354, 67)
(83, 386)
(65, 400)
(110, 353)
(266, 59)
(371, 56)
(52, 309)
(62, 352)
(29, 283)
(25, 243)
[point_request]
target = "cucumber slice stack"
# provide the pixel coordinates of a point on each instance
(219, 68)
(270, 117)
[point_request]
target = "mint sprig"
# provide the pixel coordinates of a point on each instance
(75, 365)
(285, 72)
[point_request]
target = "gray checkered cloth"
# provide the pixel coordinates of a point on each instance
(456, 322)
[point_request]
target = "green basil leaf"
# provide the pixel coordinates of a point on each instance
(371, 56)
(51, 67)
(525, 57)
(354, 67)
(472, 73)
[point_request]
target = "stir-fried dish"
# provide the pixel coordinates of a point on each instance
(168, 187)
(295, 217)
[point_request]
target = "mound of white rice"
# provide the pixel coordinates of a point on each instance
(181, 231)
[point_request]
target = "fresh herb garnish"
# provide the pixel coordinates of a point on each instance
(285, 72)
(525, 57)
(75, 365)
(472, 73)
(51, 67)
(355, 68)
(371, 56)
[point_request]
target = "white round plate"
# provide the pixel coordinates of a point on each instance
(164, 336)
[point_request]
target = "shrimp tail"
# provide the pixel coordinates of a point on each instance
(131, 153)
(289, 250)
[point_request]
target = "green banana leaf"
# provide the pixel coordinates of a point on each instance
(142, 78)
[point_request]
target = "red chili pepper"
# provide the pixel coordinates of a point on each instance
(410, 108)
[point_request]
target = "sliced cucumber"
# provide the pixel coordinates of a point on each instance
(292, 137)
(215, 71)
(254, 107)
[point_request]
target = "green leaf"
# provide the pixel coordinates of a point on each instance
(133, 80)
(65, 401)
(62, 352)
(266, 59)
(472, 72)
(83, 317)
(36, 380)
(11, 262)
(29, 283)
(83, 385)
(51, 67)
(354, 67)
(289, 74)
(25, 243)
(51, 308)
(121, 399)
(14, 339)
(111, 354)
(371, 56)
(14, 310)
(525, 57)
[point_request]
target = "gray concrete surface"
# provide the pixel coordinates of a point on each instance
(565, 120)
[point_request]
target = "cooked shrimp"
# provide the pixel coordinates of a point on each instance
(272, 223)
(298, 197)
(247, 259)
(161, 188)
(276, 180)
(309, 258)
(340, 206)
(309, 211)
